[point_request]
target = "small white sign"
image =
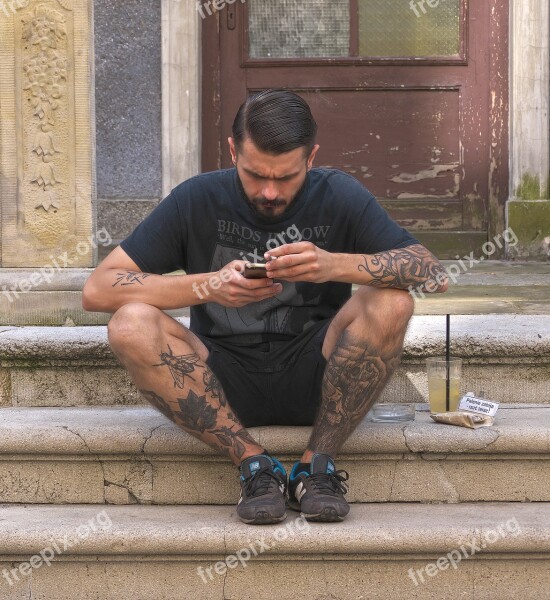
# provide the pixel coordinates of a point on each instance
(482, 406)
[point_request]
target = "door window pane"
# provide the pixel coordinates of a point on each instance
(298, 29)
(405, 28)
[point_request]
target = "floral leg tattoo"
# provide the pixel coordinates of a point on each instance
(354, 377)
(204, 411)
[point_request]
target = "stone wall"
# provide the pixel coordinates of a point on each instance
(128, 99)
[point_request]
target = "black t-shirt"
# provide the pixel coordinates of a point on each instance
(206, 222)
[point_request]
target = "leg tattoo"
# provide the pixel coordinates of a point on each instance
(180, 366)
(204, 412)
(354, 377)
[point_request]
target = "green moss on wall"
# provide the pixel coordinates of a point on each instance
(531, 188)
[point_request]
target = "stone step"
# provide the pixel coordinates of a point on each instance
(507, 356)
(35, 297)
(125, 455)
(381, 551)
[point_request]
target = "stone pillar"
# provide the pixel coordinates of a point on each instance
(528, 210)
(181, 85)
(46, 134)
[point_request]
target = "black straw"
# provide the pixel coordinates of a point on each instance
(447, 357)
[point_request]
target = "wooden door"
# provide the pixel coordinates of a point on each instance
(410, 97)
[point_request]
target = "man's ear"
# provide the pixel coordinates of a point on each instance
(312, 156)
(232, 149)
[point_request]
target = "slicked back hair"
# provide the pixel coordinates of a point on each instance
(276, 121)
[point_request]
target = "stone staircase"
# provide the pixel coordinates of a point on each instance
(102, 497)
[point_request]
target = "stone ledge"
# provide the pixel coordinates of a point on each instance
(144, 430)
(506, 356)
(497, 337)
(137, 456)
(374, 529)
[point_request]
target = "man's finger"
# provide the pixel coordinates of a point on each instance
(261, 293)
(293, 272)
(277, 288)
(285, 249)
(282, 262)
(254, 284)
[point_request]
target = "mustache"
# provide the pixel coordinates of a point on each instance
(276, 202)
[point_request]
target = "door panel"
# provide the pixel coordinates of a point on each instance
(403, 144)
(425, 132)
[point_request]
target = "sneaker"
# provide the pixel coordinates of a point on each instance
(319, 493)
(263, 490)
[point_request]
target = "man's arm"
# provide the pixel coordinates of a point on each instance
(403, 268)
(118, 281)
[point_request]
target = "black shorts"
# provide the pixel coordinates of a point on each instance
(271, 383)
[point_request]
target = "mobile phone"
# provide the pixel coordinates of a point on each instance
(255, 271)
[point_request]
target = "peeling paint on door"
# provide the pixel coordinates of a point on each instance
(431, 173)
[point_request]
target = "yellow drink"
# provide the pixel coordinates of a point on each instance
(437, 389)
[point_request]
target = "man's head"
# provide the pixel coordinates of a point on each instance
(273, 147)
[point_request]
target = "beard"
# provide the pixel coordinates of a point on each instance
(269, 209)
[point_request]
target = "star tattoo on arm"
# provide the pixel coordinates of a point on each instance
(130, 278)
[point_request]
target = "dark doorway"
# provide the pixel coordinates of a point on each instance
(411, 100)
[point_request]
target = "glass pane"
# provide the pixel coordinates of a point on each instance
(291, 29)
(403, 28)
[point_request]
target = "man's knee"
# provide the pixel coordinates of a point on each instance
(402, 305)
(386, 304)
(132, 321)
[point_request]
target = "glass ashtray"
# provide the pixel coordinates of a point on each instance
(392, 413)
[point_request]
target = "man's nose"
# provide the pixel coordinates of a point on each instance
(270, 191)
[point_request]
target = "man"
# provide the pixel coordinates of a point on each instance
(291, 348)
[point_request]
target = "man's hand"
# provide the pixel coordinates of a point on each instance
(301, 261)
(234, 290)
(403, 268)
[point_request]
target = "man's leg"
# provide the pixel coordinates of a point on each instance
(168, 365)
(363, 347)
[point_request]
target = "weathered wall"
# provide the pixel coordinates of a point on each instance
(128, 108)
(47, 195)
(528, 210)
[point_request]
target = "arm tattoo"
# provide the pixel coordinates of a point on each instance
(130, 278)
(180, 366)
(404, 267)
